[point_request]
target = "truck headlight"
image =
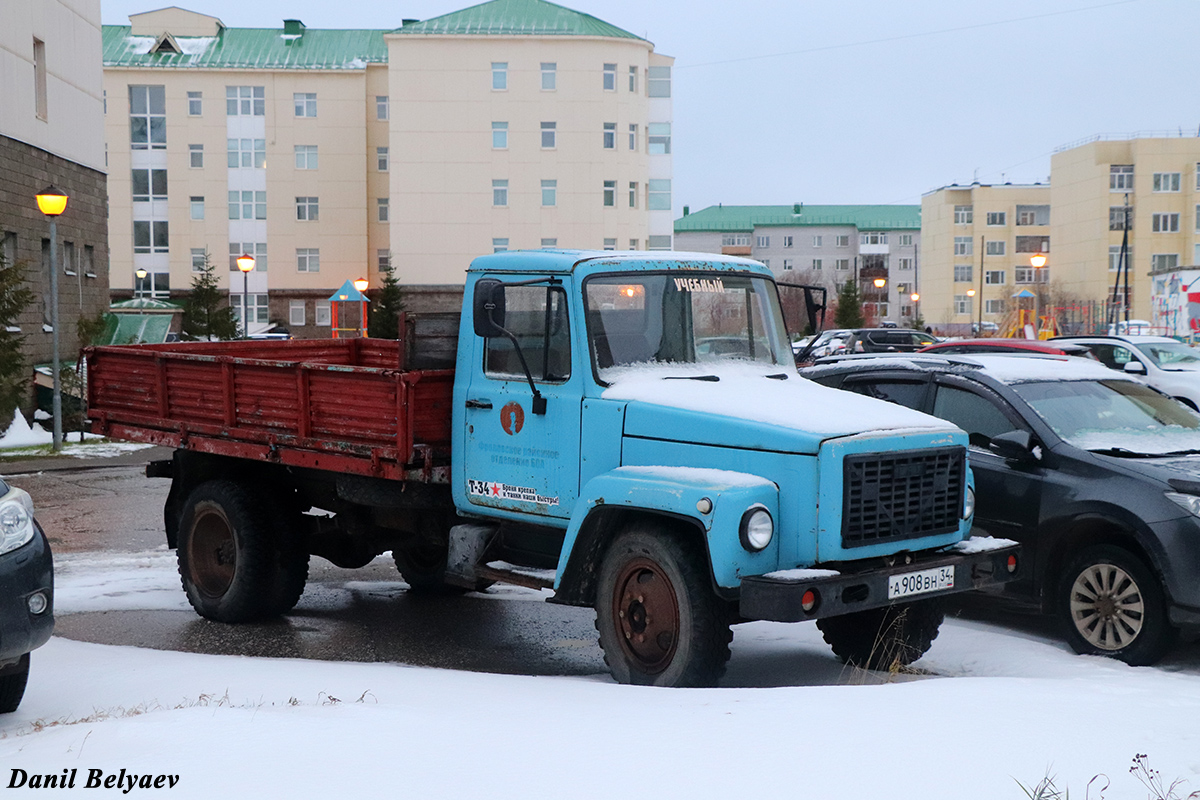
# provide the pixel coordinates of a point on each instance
(16, 525)
(757, 528)
(1189, 502)
(969, 503)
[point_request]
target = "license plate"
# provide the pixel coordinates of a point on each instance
(927, 580)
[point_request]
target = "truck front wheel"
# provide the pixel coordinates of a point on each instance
(659, 620)
(232, 562)
(883, 638)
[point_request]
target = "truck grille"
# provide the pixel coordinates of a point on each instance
(902, 495)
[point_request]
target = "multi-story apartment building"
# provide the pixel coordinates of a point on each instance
(331, 155)
(826, 245)
(50, 117)
(978, 242)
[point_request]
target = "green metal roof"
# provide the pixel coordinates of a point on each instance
(747, 218)
(518, 18)
(250, 48)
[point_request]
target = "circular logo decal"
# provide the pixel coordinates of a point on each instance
(512, 418)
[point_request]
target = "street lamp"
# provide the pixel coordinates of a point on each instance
(1038, 260)
(970, 304)
(916, 300)
(245, 263)
(361, 284)
(140, 273)
(52, 202)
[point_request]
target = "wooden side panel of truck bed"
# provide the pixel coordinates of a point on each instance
(343, 405)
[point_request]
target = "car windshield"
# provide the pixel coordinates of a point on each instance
(1116, 417)
(1170, 354)
(683, 318)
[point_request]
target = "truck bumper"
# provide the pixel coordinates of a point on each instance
(794, 598)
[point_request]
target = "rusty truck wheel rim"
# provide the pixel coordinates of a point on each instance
(1107, 607)
(646, 614)
(212, 552)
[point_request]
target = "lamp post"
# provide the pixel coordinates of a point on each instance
(916, 299)
(361, 284)
(970, 305)
(1037, 260)
(245, 263)
(52, 202)
(140, 274)
(878, 283)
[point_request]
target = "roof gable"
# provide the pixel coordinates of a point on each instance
(517, 18)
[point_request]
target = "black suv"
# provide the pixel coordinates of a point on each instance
(26, 592)
(887, 340)
(1096, 475)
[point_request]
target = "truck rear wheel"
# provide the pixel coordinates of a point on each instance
(12, 684)
(884, 638)
(659, 620)
(233, 562)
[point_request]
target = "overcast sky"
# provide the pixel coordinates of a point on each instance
(864, 101)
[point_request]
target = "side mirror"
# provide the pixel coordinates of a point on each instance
(1134, 367)
(488, 308)
(1014, 446)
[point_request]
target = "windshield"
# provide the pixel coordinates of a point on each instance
(1118, 416)
(683, 318)
(1170, 354)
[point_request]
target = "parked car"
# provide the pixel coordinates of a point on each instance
(26, 592)
(828, 343)
(1093, 473)
(997, 345)
(887, 340)
(1168, 365)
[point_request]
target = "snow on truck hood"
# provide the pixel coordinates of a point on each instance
(670, 397)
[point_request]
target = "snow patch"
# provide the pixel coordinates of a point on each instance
(713, 477)
(981, 544)
(802, 574)
(1019, 368)
(194, 45)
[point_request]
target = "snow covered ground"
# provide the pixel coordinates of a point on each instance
(23, 439)
(999, 706)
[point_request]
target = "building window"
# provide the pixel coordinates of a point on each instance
(499, 245)
(150, 236)
(1120, 178)
(68, 258)
(306, 156)
(1033, 215)
(964, 215)
(500, 193)
(817, 264)
(659, 242)
(384, 259)
(962, 273)
(1164, 261)
(1165, 223)
(255, 305)
(256, 249)
(842, 241)
(610, 193)
(818, 240)
(39, 78)
(549, 76)
(766, 262)
(762, 241)
(610, 244)
(997, 218)
(1166, 181)
(295, 313)
(994, 277)
(499, 135)
(549, 135)
(381, 106)
(1198, 223)
(658, 195)
(963, 246)
(658, 137)
(880, 237)
(197, 207)
(195, 104)
(996, 248)
(549, 193)
(381, 205)
(1032, 275)
(149, 184)
(549, 244)
(610, 136)
(381, 159)
(1033, 244)
(633, 194)
(308, 259)
(610, 77)
(307, 209)
(633, 244)
(841, 264)
(735, 240)
(499, 75)
(321, 313)
(147, 117)
(906, 240)
(787, 241)
(787, 264)
(904, 264)
(658, 81)
(196, 156)
(1114, 256)
(245, 101)
(199, 259)
(1117, 218)
(249, 153)
(962, 304)
(247, 205)
(993, 306)
(306, 104)
(633, 136)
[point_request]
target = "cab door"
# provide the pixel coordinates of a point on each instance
(516, 460)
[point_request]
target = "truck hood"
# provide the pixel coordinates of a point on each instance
(756, 406)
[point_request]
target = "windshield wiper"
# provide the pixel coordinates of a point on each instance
(709, 378)
(779, 376)
(1182, 453)
(1121, 452)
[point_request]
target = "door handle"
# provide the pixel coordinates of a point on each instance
(485, 404)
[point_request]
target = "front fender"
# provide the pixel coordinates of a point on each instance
(678, 493)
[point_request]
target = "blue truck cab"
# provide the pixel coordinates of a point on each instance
(630, 430)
